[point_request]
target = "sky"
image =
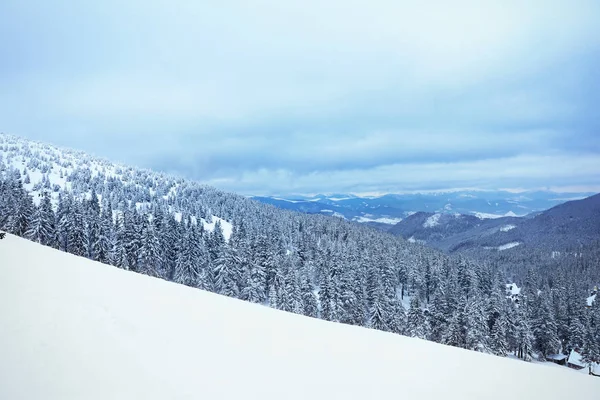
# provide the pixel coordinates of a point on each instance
(279, 97)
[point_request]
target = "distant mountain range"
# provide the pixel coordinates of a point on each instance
(565, 226)
(387, 210)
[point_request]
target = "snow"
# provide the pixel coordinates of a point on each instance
(76, 329)
(432, 221)
(226, 226)
(576, 359)
(513, 289)
(382, 220)
(413, 240)
(482, 215)
(13, 152)
(178, 216)
(289, 201)
(590, 300)
(556, 357)
(508, 246)
(507, 228)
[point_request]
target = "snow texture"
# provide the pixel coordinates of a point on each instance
(507, 228)
(226, 226)
(70, 161)
(508, 246)
(513, 289)
(432, 221)
(382, 220)
(576, 359)
(482, 215)
(76, 329)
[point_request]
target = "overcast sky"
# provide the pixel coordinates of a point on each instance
(308, 96)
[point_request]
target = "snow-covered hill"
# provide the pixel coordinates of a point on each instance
(46, 168)
(571, 224)
(77, 329)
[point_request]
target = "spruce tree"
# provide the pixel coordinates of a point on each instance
(415, 320)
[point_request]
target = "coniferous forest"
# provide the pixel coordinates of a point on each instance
(323, 267)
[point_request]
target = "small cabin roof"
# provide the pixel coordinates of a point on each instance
(576, 359)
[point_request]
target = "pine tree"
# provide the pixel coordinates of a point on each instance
(42, 228)
(23, 213)
(187, 266)
(105, 232)
(456, 334)
(310, 305)
(227, 273)
(290, 296)
(476, 328)
(77, 230)
(498, 341)
(546, 330)
(439, 317)
(577, 331)
(273, 297)
(149, 255)
(415, 320)
(377, 313)
(590, 350)
(523, 335)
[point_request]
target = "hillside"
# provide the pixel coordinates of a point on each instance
(319, 266)
(73, 328)
(566, 226)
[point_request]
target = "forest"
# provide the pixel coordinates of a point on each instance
(322, 267)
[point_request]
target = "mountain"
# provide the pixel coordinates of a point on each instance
(182, 231)
(566, 226)
(74, 328)
(384, 211)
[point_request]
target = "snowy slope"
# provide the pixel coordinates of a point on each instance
(44, 167)
(76, 329)
(48, 166)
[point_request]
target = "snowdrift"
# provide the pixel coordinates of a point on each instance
(76, 329)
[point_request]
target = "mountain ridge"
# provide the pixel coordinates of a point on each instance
(390, 208)
(571, 224)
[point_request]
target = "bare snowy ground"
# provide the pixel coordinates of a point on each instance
(432, 221)
(76, 329)
(382, 220)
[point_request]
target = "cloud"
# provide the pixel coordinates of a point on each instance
(272, 96)
(512, 172)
